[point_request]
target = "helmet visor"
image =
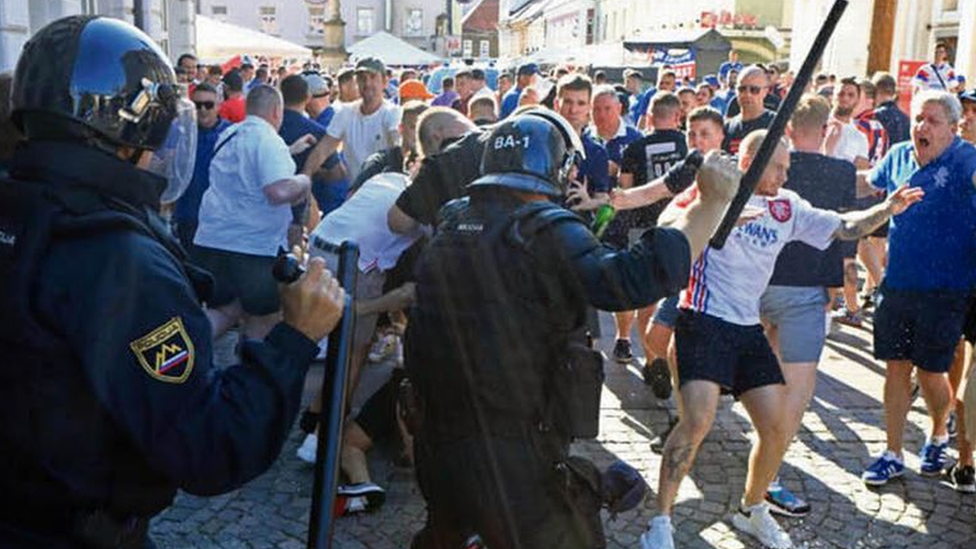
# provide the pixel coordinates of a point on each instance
(174, 160)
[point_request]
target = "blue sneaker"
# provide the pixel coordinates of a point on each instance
(882, 470)
(933, 458)
(785, 503)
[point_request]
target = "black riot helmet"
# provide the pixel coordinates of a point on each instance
(105, 83)
(533, 152)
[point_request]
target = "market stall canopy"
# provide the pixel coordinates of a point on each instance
(391, 50)
(217, 40)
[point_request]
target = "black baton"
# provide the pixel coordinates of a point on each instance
(751, 178)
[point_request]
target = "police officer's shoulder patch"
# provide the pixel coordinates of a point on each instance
(166, 353)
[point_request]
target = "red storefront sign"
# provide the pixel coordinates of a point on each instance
(906, 71)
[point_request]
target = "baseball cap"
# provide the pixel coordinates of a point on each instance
(414, 89)
(371, 64)
(528, 69)
(633, 73)
(969, 95)
(711, 80)
(478, 74)
(317, 86)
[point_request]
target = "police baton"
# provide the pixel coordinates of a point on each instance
(751, 178)
(341, 260)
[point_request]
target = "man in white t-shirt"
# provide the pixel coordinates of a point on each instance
(720, 342)
(365, 126)
(245, 214)
(846, 142)
(937, 75)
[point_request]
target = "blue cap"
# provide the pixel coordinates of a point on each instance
(528, 69)
(623, 487)
(969, 95)
(711, 80)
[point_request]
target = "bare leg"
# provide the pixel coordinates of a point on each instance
(850, 285)
(658, 338)
(765, 406)
(644, 317)
(225, 317)
(257, 327)
(355, 444)
(679, 400)
(897, 401)
(872, 258)
(681, 447)
(937, 395)
(960, 366)
(623, 321)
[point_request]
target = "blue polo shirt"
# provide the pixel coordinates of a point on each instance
(593, 169)
(510, 102)
(325, 117)
(932, 245)
(639, 108)
(187, 207)
(626, 134)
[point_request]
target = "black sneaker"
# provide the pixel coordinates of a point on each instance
(621, 351)
(657, 375)
(657, 443)
(962, 479)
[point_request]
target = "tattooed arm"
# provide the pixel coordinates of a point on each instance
(855, 225)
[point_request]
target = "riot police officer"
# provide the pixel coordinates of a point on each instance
(110, 400)
(494, 346)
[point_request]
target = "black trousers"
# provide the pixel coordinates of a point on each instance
(504, 490)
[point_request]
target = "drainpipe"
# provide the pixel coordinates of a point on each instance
(138, 15)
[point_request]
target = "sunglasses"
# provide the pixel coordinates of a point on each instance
(205, 105)
(754, 90)
(321, 95)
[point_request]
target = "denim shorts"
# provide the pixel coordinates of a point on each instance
(799, 314)
(667, 312)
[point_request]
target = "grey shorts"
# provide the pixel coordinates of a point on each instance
(368, 286)
(667, 312)
(799, 314)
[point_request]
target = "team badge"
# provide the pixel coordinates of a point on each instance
(780, 209)
(166, 353)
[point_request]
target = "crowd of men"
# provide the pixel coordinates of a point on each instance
(371, 155)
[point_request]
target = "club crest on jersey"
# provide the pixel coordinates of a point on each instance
(166, 353)
(780, 209)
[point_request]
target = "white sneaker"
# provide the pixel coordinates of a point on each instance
(759, 524)
(306, 452)
(659, 534)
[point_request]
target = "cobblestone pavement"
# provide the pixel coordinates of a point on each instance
(841, 430)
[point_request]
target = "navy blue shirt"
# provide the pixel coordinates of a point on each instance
(895, 122)
(293, 126)
(188, 206)
(826, 183)
(593, 170)
(736, 130)
(932, 245)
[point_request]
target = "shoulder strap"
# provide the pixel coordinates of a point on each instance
(942, 81)
(526, 222)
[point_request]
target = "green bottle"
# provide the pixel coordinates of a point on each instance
(604, 215)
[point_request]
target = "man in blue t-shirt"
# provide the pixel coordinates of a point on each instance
(209, 126)
(332, 185)
(573, 102)
(732, 64)
(296, 125)
(525, 77)
(930, 276)
(887, 111)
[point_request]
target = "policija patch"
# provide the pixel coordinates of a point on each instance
(166, 353)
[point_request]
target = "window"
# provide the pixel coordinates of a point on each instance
(950, 5)
(268, 19)
(485, 49)
(365, 20)
(468, 47)
(413, 23)
(219, 12)
(316, 20)
(88, 7)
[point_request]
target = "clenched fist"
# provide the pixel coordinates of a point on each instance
(313, 305)
(718, 178)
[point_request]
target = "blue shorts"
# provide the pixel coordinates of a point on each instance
(799, 314)
(667, 312)
(735, 357)
(921, 326)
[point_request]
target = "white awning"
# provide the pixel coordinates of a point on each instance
(391, 51)
(218, 41)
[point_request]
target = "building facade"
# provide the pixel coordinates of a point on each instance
(878, 35)
(170, 22)
(301, 21)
